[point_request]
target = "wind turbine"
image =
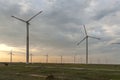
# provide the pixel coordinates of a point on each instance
(74, 59)
(86, 38)
(81, 60)
(46, 58)
(31, 55)
(27, 34)
(11, 54)
(61, 57)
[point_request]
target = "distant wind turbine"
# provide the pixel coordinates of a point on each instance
(46, 58)
(27, 36)
(11, 54)
(74, 59)
(31, 55)
(81, 60)
(61, 57)
(86, 37)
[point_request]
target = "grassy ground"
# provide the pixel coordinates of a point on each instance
(60, 71)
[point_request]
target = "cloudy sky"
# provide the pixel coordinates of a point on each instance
(58, 29)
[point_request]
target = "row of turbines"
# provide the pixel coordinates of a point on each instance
(74, 59)
(27, 39)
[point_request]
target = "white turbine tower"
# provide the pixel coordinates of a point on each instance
(86, 37)
(27, 34)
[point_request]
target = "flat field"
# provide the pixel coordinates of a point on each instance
(37, 71)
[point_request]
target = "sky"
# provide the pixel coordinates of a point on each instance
(58, 29)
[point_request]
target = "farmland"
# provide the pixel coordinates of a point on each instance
(39, 71)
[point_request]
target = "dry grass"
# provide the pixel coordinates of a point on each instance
(19, 71)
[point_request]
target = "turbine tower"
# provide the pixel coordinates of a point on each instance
(86, 38)
(27, 34)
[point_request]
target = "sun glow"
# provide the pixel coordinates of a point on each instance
(4, 47)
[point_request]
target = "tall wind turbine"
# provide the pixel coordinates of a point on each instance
(86, 38)
(27, 34)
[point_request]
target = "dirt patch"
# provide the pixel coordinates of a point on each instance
(36, 75)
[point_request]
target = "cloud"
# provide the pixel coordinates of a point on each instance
(101, 9)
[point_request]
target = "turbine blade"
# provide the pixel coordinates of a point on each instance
(81, 40)
(94, 37)
(85, 29)
(34, 16)
(18, 19)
